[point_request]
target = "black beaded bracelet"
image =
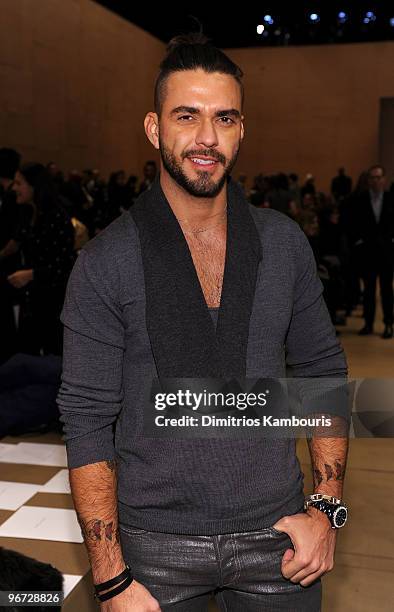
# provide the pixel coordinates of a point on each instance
(104, 586)
(119, 589)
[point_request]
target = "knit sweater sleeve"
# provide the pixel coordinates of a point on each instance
(314, 355)
(312, 346)
(90, 396)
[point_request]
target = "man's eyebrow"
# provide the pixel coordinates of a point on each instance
(185, 109)
(231, 111)
(195, 111)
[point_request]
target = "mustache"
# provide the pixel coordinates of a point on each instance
(207, 152)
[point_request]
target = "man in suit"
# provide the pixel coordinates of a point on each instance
(374, 243)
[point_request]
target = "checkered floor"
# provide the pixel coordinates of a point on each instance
(68, 557)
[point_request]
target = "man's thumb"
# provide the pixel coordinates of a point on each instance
(288, 556)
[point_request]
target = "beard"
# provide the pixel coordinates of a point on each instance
(204, 186)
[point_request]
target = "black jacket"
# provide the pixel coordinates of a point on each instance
(376, 239)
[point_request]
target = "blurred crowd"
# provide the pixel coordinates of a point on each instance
(46, 218)
(351, 232)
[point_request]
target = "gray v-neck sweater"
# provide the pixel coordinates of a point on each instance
(191, 486)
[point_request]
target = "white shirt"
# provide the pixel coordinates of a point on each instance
(377, 203)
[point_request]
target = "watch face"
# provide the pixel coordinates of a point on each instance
(339, 517)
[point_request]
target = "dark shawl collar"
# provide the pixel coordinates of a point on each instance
(180, 328)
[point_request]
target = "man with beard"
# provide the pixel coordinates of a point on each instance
(195, 283)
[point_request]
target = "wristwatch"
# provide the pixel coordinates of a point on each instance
(332, 506)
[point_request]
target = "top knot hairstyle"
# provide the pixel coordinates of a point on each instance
(191, 52)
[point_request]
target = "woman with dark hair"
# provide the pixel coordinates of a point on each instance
(46, 241)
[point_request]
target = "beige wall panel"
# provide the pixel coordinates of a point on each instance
(313, 109)
(76, 82)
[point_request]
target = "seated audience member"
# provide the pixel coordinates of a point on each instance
(150, 171)
(341, 186)
(327, 272)
(334, 254)
(309, 185)
(260, 187)
(132, 189)
(294, 188)
(95, 201)
(119, 197)
(73, 191)
(46, 241)
(308, 201)
(56, 175)
(279, 197)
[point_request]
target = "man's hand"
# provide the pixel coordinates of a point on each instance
(20, 278)
(314, 542)
(136, 598)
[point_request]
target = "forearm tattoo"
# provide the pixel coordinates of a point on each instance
(328, 458)
(331, 472)
(97, 530)
(94, 490)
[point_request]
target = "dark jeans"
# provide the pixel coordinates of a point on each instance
(242, 570)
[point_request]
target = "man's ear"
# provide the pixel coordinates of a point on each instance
(242, 128)
(151, 125)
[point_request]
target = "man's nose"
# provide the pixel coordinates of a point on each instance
(206, 134)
